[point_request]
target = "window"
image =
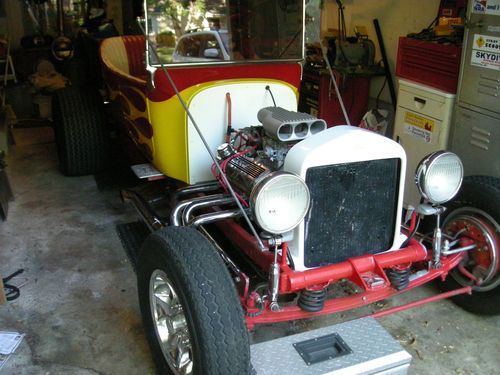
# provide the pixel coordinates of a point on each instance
(226, 30)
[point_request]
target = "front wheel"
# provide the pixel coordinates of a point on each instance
(190, 308)
(474, 218)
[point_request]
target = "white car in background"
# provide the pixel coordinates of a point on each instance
(202, 46)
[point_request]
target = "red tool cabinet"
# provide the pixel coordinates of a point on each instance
(318, 97)
(431, 63)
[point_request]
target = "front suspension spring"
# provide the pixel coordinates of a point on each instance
(312, 300)
(399, 277)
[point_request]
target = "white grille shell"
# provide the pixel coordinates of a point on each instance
(338, 145)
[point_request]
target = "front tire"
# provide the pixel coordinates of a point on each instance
(475, 213)
(191, 311)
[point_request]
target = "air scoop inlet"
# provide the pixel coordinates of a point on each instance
(286, 126)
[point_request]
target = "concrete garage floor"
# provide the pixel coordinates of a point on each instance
(79, 307)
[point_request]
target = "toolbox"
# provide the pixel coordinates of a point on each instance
(430, 63)
(360, 346)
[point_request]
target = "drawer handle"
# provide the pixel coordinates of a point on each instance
(419, 100)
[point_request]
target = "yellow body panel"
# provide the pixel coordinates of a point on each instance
(170, 128)
(170, 136)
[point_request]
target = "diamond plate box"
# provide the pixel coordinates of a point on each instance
(359, 346)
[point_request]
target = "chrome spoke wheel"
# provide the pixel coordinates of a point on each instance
(170, 324)
(483, 263)
(190, 308)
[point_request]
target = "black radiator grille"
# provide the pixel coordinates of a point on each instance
(353, 210)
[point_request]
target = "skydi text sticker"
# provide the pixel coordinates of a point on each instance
(486, 52)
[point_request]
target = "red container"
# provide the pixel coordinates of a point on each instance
(433, 64)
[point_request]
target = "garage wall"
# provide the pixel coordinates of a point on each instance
(396, 18)
(12, 24)
(3, 18)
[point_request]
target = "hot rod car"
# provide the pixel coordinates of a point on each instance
(259, 210)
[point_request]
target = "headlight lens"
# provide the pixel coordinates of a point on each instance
(439, 176)
(280, 202)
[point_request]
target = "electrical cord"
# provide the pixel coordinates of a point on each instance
(342, 33)
(410, 236)
(426, 33)
(380, 92)
(12, 292)
(434, 22)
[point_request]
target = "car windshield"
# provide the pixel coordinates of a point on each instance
(225, 39)
(216, 31)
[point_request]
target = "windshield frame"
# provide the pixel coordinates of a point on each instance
(153, 66)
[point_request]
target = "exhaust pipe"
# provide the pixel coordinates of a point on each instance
(146, 212)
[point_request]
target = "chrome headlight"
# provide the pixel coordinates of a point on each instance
(439, 176)
(279, 202)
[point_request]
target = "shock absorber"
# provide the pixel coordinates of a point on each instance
(274, 280)
(312, 300)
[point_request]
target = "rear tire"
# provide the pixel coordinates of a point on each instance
(79, 125)
(182, 262)
(477, 208)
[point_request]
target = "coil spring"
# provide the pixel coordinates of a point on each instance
(399, 277)
(257, 313)
(258, 300)
(312, 300)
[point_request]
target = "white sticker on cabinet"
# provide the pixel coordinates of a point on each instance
(486, 52)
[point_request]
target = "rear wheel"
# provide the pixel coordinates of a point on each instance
(79, 125)
(190, 308)
(474, 218)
